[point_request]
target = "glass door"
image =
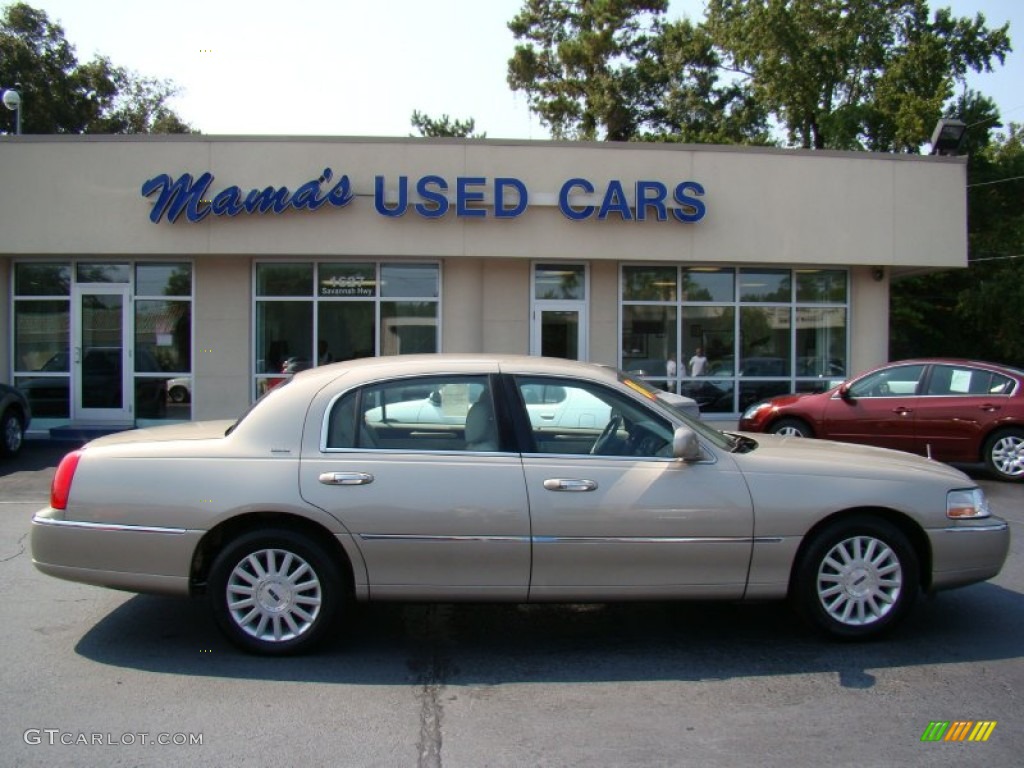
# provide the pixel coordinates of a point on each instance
(101, 354)
(559, 331)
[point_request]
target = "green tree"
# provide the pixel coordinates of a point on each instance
(581, 66)
(62, 95)
(444, 127)
(853, 74)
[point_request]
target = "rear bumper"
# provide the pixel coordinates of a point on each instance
(965, 554)
(133, 558)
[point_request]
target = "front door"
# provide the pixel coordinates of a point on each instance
(101, 354)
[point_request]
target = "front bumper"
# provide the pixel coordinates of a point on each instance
(965, 553)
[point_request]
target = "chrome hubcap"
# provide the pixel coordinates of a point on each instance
(789, 432)
(859, 581)
(1008, 456)
(274, 595)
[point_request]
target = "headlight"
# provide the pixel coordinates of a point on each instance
(755, 409)
(969, 503)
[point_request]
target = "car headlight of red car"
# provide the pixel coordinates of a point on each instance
(757, 409)
(969, 503)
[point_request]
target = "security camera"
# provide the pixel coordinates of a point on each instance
(12, 100)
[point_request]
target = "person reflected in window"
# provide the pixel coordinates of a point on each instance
(698, 363)
(670, 365)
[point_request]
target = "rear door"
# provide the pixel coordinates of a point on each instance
(417, 470)
(878, 410)
(957, 408)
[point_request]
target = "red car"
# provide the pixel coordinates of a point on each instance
(950, 410)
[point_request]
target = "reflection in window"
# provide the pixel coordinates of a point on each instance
(649, 283)
(709, 284)
(765, 285)
(726, 321)
(649, 340)
(822, 286)
(765, 341)
(434, 413)
(103, 273)
(42, 279)
(163, 279)
(560, 282)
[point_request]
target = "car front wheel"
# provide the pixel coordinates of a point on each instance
(791, 428)
(12, 433)
(275, 592)
(1004, 454)
(857, 579)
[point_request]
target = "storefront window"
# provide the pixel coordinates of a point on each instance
(284, 279)
(408, 327)
(709, 284)
(649, 283)
(335, 311)
(560, 282)
(821, 342)
(649, 342)
(103, 273)
(163, 280)
(821, 286)
(763, 285)
(42, 279)
(742, 334)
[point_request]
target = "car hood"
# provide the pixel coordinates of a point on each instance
(192, 430)
(800, 455)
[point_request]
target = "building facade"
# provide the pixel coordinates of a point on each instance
(159, 278)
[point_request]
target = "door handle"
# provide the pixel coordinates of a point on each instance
(902, 411)
(346, 478)
(562, 484)
(988, 408)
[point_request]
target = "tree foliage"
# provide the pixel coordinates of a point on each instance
(834, 74)
(62, 95)
(444, 127)
(853, 74)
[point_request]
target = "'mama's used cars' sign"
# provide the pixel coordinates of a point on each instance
(430, 196)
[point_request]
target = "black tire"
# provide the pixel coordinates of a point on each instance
(178, 394)
(295, 599)
(12, 433)
(792, 427)
(857, 579)
(1004, 454)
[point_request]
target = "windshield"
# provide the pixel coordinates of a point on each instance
(709, 433)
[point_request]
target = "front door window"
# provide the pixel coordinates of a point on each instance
(100, 359)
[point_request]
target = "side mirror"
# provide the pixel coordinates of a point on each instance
(685, 445)
(844, 393)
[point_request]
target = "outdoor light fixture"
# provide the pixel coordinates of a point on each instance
(12, 100)
(948, 135)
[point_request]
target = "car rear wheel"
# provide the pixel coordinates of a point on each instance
(275, 592)
(791, 428)
(857, 579)
(1004, 454)
(12, 433)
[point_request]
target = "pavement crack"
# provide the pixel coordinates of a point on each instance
(19, 553)
(433, 668)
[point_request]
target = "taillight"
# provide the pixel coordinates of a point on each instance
(60, 488)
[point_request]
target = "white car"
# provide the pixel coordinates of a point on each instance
(548, 405)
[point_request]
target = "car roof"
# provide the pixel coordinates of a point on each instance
(1007, 369)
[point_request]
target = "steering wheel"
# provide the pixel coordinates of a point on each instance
(607, 435)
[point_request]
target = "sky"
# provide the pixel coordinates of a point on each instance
(359, 67)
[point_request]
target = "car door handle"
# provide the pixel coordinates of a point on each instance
(987, 408)
(346, 478)
(562, 484)
(901, 411)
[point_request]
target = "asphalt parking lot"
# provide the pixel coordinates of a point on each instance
(97, 677)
